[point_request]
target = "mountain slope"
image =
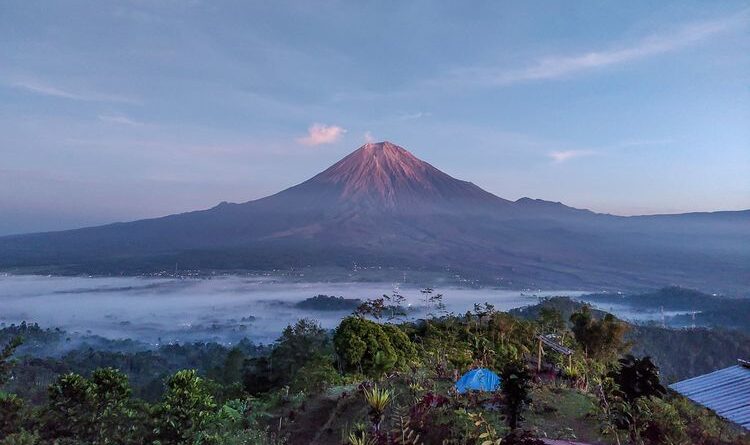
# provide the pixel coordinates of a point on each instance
(384, 176)
(382, 206)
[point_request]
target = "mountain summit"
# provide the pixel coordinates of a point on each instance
(384, 176)
(381, 206)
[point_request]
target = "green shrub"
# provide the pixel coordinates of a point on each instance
(363, 345)
(316, 375)
(11, 413)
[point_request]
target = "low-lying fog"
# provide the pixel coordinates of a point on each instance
(225, 309)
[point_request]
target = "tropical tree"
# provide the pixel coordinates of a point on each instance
(69, 413)
(364, 346)
(11, 413)
(638, 377)
(550, 321)
(5, 358)
(97, 411)
(113, 413)
(258, 376)
(186, 408)
(402, 345)
(515, 388)
(298, 342)
(601, 339)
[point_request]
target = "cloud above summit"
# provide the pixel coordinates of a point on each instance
(566, 155)
(320, 134)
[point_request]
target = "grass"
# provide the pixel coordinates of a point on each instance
(563, 413)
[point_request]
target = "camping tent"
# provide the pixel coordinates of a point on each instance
(480, 379)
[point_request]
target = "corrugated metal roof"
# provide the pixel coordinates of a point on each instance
(561, 442)
(726, 392)
(552, 342)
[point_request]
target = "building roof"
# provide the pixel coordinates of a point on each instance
(561, 442)
(552, 342)
(726, 392)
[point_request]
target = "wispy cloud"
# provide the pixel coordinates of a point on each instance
(644, 142)
(369, 137)
(319, 134)
(45, 89)
(413, 116)
(556, 66)
(118, 119)
(566, 155)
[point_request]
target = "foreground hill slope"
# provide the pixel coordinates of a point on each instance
(382, 206)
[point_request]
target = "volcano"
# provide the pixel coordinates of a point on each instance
(385, 177)
(381, 207)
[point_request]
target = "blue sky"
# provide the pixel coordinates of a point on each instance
(115, 111)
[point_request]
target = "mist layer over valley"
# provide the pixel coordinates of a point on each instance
(227, 309)
(223, 309)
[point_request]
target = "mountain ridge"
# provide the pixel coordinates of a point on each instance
(381, 206)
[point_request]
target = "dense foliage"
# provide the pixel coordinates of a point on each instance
(683, 353)
(329, 303)
(367, 382)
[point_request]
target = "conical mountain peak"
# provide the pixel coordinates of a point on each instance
(385, 175)
(375, 164)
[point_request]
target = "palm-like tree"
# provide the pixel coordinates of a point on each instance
(378, 398)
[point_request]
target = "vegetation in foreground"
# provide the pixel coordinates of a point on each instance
(374, 380)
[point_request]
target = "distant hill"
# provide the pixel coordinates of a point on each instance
(673, 298)
(701, 309)
(382, 206)
(329, 303)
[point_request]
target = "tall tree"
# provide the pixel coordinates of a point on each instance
(298, 342)
(186, 408)
(5, 358)
(515, 388)
(638, 377)
(601, 339)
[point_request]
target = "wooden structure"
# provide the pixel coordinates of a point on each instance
(550, 341)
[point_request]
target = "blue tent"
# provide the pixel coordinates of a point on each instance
(480, 379)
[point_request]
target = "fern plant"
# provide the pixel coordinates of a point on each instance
(402, 433)
(487, 435)
(361, 439)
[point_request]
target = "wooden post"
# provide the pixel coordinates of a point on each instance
(539, 358)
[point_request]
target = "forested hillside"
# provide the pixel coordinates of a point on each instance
(375, 379)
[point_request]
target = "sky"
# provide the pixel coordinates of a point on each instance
(115, 111)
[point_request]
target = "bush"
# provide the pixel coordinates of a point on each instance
(11, 413)
(405, 349)
(21, 438)
(316, 375)
(665, 425)
(363, 345)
